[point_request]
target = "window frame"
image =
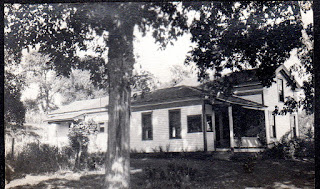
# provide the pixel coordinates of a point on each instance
(177, 130)
(144, 129)
(273, 131)
(294, 127)
(280, 90)
(207, 124)
(200, 123)
(101, 123)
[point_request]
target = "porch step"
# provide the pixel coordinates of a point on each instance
(222, 155)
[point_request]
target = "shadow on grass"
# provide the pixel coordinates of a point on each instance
(210, 174)
(88, 181)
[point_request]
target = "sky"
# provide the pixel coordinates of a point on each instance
(158, 62)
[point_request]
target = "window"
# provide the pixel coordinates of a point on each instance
(273, 126)
(146, 126)
(101, 127)
(174, 124)
(209, 123)
(194, 124)
(293, 125)
(280, 90)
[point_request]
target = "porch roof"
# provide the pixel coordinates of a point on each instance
(240, 101)
(64, 117)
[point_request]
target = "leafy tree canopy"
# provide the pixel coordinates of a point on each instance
(245, 35)
(63, 29)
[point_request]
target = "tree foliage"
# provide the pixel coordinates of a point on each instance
(14, 110)
(246, 35)
(38, 69)
(64, 29)
(13, 106)
(79, 86)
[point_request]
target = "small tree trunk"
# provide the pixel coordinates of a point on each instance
(12, 148)
(120, 66)
(78, 156)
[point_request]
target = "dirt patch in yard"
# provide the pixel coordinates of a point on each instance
(209, 173)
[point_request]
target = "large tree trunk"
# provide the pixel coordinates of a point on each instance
(120, 66)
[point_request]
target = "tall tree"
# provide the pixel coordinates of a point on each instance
(61, 29)
(79, 86)
(37, 69)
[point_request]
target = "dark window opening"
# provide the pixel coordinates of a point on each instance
(273, 133)
(248, 122)
(194, 124)
(209, 123)
(147, 126)
(174, 124)
(101, 127)
(281, 90)
(294, 129)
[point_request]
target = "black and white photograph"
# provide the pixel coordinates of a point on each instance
(159, 95)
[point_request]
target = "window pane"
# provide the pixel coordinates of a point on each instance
(194, 124)
(174, 124)
(101, 127)
(146, 126)
(209, 123)
(280, 88)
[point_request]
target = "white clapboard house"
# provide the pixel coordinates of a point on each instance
(185, 118)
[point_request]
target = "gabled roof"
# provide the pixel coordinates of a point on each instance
(245, 77)
(286, 74)
(169, 94)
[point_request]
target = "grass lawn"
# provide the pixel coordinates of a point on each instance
(208, 173)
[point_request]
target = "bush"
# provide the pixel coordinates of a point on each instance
(35, 159)
(78, 135)
(95, 160)
(291, 149)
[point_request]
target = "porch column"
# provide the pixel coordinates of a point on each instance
(213, 120)
(204, 129)
(267, 118)
(231, 127)
(220, 127)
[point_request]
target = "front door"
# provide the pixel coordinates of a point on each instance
(222, 129)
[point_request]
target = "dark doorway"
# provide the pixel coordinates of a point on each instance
(222, 128)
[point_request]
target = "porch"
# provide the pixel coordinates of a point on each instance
(237, 124)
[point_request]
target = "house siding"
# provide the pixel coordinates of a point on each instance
(271, 99)
(58, 134)
(160, 124)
